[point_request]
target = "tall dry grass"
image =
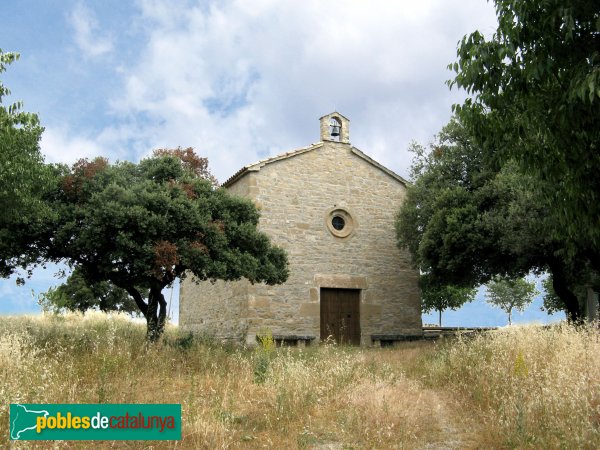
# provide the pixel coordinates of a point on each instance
(517, 388)
(323, 397)
(527, 386)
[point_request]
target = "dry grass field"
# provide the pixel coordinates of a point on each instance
(524, 387)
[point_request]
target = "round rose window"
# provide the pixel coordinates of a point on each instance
(340, 222)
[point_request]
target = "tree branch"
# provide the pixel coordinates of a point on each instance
(137, 297)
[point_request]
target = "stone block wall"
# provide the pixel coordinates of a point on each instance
(216, 309)
(297, 196)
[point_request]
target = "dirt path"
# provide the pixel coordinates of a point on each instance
(455, 430)
(404, 414)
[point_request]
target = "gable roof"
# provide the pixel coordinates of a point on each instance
(335, 113)
(256, 166)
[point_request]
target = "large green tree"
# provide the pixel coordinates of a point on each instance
(141, 226)
(466, 220)
(454, 216)
(534, 90)
(23, 180)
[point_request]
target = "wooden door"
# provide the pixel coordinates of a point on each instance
(340, 315)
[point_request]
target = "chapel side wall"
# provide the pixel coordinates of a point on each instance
(217, 309)
(214, 309)
(295, 195)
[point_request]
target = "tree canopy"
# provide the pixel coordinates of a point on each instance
(466, 220)
(512, 185)
(141, 226)
(23, 180)
(78, 294)
(535, 99)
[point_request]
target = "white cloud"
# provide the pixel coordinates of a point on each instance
(242, 80)
(59, 145)
(87, 35)
(239, 80)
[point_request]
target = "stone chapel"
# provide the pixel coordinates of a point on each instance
(332, 208)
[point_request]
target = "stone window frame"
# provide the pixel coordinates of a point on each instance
(350, 223)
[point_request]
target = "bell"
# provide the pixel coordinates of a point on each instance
(335, 130)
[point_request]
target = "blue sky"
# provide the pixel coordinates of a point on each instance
(236, 80)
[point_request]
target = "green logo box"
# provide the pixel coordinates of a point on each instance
(122, 422)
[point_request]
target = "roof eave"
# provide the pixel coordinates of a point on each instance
(255, 167)
(381, 167)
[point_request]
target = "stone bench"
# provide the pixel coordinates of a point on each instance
(292, 340)
(388, 340)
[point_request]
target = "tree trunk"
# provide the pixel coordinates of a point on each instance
(561, 288)
(162, 312)
(157, 313)
(440, 318)
(152, 318)
(510, 317)
(137, 297)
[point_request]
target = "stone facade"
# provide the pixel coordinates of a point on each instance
(299, 195)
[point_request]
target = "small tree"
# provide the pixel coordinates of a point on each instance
(440, 298)
(509, 294)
